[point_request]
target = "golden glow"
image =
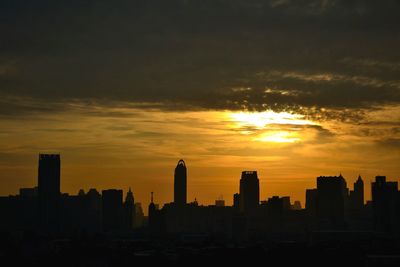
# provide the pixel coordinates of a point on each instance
(269, 126)
(279, 137)
(111, 147)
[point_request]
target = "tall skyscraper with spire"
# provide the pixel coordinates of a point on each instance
(129, 210)
(180, 183)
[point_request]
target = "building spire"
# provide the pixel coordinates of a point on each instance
(152, 195)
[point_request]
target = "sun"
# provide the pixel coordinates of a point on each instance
(278, 137)
(269, 126)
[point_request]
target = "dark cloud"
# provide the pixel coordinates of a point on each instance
(200, 54)
(392, 143)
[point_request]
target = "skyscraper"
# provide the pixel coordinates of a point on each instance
(236, 201)
(384, 198)
(249, 191)
(331, 197)
(112, 209)
(357, 195)
(49, 191)
(180, 177)
(152, 212)
(311, 202)
(129, 211)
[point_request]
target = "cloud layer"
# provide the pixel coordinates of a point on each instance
(209, 54)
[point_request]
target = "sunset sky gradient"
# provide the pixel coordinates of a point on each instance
(124, 89)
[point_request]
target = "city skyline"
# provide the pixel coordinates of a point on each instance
(158, 132)
(330, 205)
(292, 89)
(282, 172)
(181, 190)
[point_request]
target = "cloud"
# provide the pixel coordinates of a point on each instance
(391, 143)
(192, 55)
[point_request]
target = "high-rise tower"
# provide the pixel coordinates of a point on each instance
(129, 211)
(180, 178)
(384, 208)
(249, 191)
(331, 200)
(359, 193)
(49, 191)
(112, 209)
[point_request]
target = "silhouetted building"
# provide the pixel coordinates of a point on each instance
(357, 195)
(112, 209)
(286, 203)
(152, 212)
(296, 205)
(94, 210)
(28, 192)
(49, 191)
(129, 211)
(331, 197)
(329, 208)
(276, 206)
(385, 204)
(81, 192)
(94, 199)
(249, 191)
(194, 220)
(236, 201)
(76, 216)
(180, 183)
(139, 215)
(311, 202)
(220, 203)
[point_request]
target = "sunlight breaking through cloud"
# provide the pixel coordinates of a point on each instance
(253, 122)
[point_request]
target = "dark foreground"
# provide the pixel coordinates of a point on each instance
(32, 250)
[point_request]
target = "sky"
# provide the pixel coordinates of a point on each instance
(124, 89)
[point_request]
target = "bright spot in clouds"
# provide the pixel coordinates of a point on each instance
(279, 137)
(270, 125)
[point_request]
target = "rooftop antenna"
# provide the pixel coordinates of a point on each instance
(152, 193)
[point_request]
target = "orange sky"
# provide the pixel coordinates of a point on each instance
(110, 147)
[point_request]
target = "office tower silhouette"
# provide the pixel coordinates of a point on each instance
(249, 191)
(385, 202)
(357, 195)
(236, 201)
(311, 202)
(152, 211)
(129, 211)
(276, 205)
(180, 181)
(286, 203)
(112, 209)
(139, 215)
(331, 197)
(49, 192)
(94, 199)
(93, 211)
